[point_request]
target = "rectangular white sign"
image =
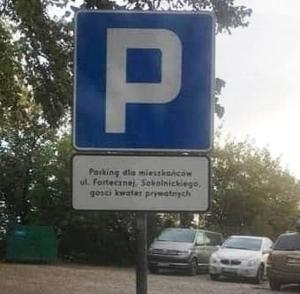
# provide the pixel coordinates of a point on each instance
(141, 183)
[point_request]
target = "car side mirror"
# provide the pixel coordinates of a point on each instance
(266, 251)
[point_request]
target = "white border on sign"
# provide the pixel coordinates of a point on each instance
(139, 150)
(196, 206)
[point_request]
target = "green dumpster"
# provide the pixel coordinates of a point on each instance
(31, 244)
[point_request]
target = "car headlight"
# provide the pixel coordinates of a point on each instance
(214, 259)
(253, 262)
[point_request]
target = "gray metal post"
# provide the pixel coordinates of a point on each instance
(141, 262)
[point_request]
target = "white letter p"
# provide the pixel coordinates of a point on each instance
(119, 92)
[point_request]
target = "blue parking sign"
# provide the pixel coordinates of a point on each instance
(143, 81)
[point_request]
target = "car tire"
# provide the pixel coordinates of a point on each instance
(153, 269)
(193, 267)
(214, 277)
(274, 285)
(260, 274)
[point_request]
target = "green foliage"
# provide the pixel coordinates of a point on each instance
(24, 139)
(219, 109)
(251, 192)
(84, 237)
(229, 14)
(10, 73)
(45, 48)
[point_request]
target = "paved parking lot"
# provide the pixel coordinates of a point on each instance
(60, 279)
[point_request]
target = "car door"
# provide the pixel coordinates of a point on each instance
(200, 249)
(286, 255)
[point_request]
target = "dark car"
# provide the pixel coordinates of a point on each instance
(284, 261)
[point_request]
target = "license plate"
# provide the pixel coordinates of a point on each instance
(229, 270)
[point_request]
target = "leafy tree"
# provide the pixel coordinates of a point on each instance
(251, 192)
(229, 15)
(10, 73)
(45, 54)
(24, 137)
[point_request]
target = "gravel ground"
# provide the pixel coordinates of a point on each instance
(60, 279)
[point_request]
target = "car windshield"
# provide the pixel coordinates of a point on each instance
(177, 235)
(288, 242)
(253, 244)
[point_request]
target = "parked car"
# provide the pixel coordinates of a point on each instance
(241, 256)
(180, 248)
(284, 261)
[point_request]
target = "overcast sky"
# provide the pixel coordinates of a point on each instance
(261, 67)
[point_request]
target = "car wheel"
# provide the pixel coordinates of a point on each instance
(214, 277)
(274, 285)
(260, 274)
(153, 269)
(193, 267)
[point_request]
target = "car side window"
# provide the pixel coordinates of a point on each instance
(288, 242)
(200, 239)
(268, 244)
(213, 239)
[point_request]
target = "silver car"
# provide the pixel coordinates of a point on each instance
(241, 256)
(180, 248)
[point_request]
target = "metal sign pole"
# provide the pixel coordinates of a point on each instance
(141, 262)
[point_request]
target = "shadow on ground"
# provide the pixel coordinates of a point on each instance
(171, 272)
